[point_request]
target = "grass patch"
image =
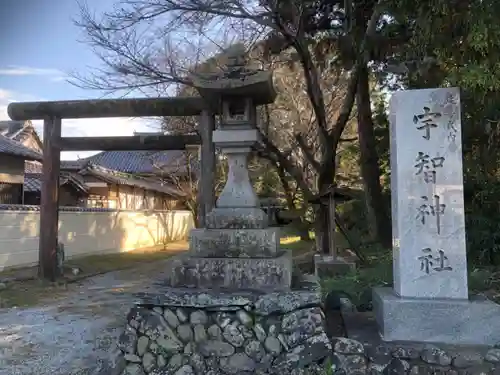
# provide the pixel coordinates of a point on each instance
(94, 264)
(485, 281)
(297, 246)
(290, 240)
(30, 291)
(358, 284)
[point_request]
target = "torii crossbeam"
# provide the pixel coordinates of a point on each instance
(52, 114)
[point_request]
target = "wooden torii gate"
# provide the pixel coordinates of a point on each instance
(53, 112)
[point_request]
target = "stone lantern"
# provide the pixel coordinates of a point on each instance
(231, 305)
(235, 92)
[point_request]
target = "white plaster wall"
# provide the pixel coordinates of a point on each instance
(86, 233)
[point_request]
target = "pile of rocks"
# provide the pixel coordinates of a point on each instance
(269, 334)
(352, 357)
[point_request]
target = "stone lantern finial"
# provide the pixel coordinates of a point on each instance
(236, 57)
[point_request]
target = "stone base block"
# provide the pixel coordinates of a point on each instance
(236, 218)
(195, 332)
(239, 243)
(464, 322)
(240, 273)
(328, 266)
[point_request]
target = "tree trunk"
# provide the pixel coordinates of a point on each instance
(325, 182)
(370, 170)
(302, 227)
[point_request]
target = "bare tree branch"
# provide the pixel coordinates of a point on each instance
(307, 152)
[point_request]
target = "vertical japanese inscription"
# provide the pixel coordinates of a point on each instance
(426, 166)
(431, 208)
(451, 110)
(429, 262)
(426, 121)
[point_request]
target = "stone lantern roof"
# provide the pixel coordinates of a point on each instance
(236, 80)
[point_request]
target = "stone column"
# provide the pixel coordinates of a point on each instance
(238, 191)
(237, 205)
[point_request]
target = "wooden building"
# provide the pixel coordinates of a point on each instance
(130, 180)
(72, 190)
(12, 161)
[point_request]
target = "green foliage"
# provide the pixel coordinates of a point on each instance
(381, 129)
(266, 180)
(482, 218)
(328, 367)
(483, 280)
(353, 214)
(461, 43)
(358, 283)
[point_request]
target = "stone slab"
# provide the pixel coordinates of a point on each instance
(362, 327)
(424, 358)
(269, 274)
(427, 194)
(259, 302)
(237, 218)
(449, 321)
(237, 243)
(235, 137)
(329, 266)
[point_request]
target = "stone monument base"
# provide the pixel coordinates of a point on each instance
(328, 266)
(466, 322)
(236, 218)
(212, 332)
(248, 243)
(270, 274)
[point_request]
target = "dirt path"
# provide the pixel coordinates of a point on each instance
(75, 334)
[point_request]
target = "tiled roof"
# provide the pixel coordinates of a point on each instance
(172, 161)
(33, 181)
(33, 173)
(66, 166)
(11, 129)
(19, 131)
(73, 165)
(11, 147)
(118, 178)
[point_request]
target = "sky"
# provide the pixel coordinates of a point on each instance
(39, 47)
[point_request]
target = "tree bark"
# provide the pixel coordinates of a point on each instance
(325, 181)
(369, 164)
(302, 227)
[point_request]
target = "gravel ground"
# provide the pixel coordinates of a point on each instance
(77, 334)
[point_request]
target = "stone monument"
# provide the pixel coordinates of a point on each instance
(233, 305)
(430, 300)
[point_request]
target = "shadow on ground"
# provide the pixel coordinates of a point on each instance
(75, 334)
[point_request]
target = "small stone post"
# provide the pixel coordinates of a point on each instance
(327, 265)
